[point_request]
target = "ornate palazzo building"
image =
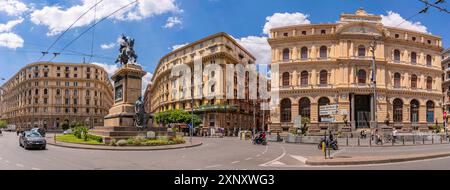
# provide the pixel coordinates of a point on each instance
(231, 115)
(446, 77)
(331, 64)
(47, 95)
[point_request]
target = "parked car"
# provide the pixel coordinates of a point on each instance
(39, 130)
(30, 139)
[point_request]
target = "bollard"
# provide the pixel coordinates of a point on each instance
(359, 143)
(432, 139)
(403, 139)
(414, 139)
(370, 142)
(347, 141)
(393, 141)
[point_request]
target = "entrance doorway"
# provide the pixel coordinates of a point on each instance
(362, 111)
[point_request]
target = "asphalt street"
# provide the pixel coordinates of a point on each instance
(214, 154)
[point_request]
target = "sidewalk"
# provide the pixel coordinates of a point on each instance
(369, 155)
(51, 141)
(363, 160)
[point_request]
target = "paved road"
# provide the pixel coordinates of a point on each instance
(226, 153)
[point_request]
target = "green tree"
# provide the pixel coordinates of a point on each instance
(176, 116)
(3, 124)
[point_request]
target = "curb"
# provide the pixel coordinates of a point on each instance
(124, 149)
(365, 161)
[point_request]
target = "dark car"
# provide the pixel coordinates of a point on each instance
(30, 139)
(41, 131)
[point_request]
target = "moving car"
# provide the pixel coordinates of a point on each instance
(30, 139)
(39, 130)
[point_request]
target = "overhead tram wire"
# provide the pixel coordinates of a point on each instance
(93, 34)
(62, 34)
(435, 5)
(101, 20)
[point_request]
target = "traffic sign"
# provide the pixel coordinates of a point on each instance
(328, 110)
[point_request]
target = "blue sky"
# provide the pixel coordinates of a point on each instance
(158, 25)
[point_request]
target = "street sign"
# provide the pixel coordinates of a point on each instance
(328, 119)
(298, 121)
(190, 125)
(328, 110)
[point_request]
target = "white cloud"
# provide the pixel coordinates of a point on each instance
(146, 80)
(57, 18)
(178, 46)
(10, 25)
(108, 46)
(258, 47)
(11, 40)
(284, 19)
(13, 7)
(172, 21)
(394, 19)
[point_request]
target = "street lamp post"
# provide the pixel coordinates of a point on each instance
(192, 108)
(374, 83)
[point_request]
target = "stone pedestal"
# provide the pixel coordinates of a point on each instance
(119, 123)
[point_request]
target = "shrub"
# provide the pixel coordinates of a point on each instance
(130, 141)
(113, 142)
(121, 143)
(95, 138)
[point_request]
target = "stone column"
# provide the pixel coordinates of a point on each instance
(352, 111)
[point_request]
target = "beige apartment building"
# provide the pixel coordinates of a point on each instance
(331, 64)
(231, 115)
(446, 78)
(47, 95)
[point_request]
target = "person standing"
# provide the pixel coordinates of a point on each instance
(394, 134)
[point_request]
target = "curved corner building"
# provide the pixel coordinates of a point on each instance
(331, 64)
(231, 115)
(47, 95)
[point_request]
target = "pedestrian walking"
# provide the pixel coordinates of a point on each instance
(394, 135)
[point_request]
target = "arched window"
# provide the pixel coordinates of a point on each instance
(58, 91)
(323, 77)
(285, 110)
(304, 78)
(361, 51)
(398, 110)
(286, 79)
(286, 53)
(414, 111)
(305, 108)
(323, 52)
(362, 76)
(322, 102)
(397, 55)
(413, 57)
(430, 111)
(304, 53)
(36, 91)
(397, 79)
(414, 81)
(429, 60)
(429, 83)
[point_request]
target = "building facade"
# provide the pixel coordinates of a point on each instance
(331, 64)
(147, 99)
(231, 115)
(446, 78)
(48, 95)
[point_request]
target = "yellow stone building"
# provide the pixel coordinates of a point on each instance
(47, 95)
(446, 77)
(231, 115)
(331, 64)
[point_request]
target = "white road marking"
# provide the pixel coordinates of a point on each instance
(267, 147)
(258, 155)
(20, 165)
(276, 159)
(299, 158)
(213, 166)
(235, 162)
(277, 163)
(249, 158)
